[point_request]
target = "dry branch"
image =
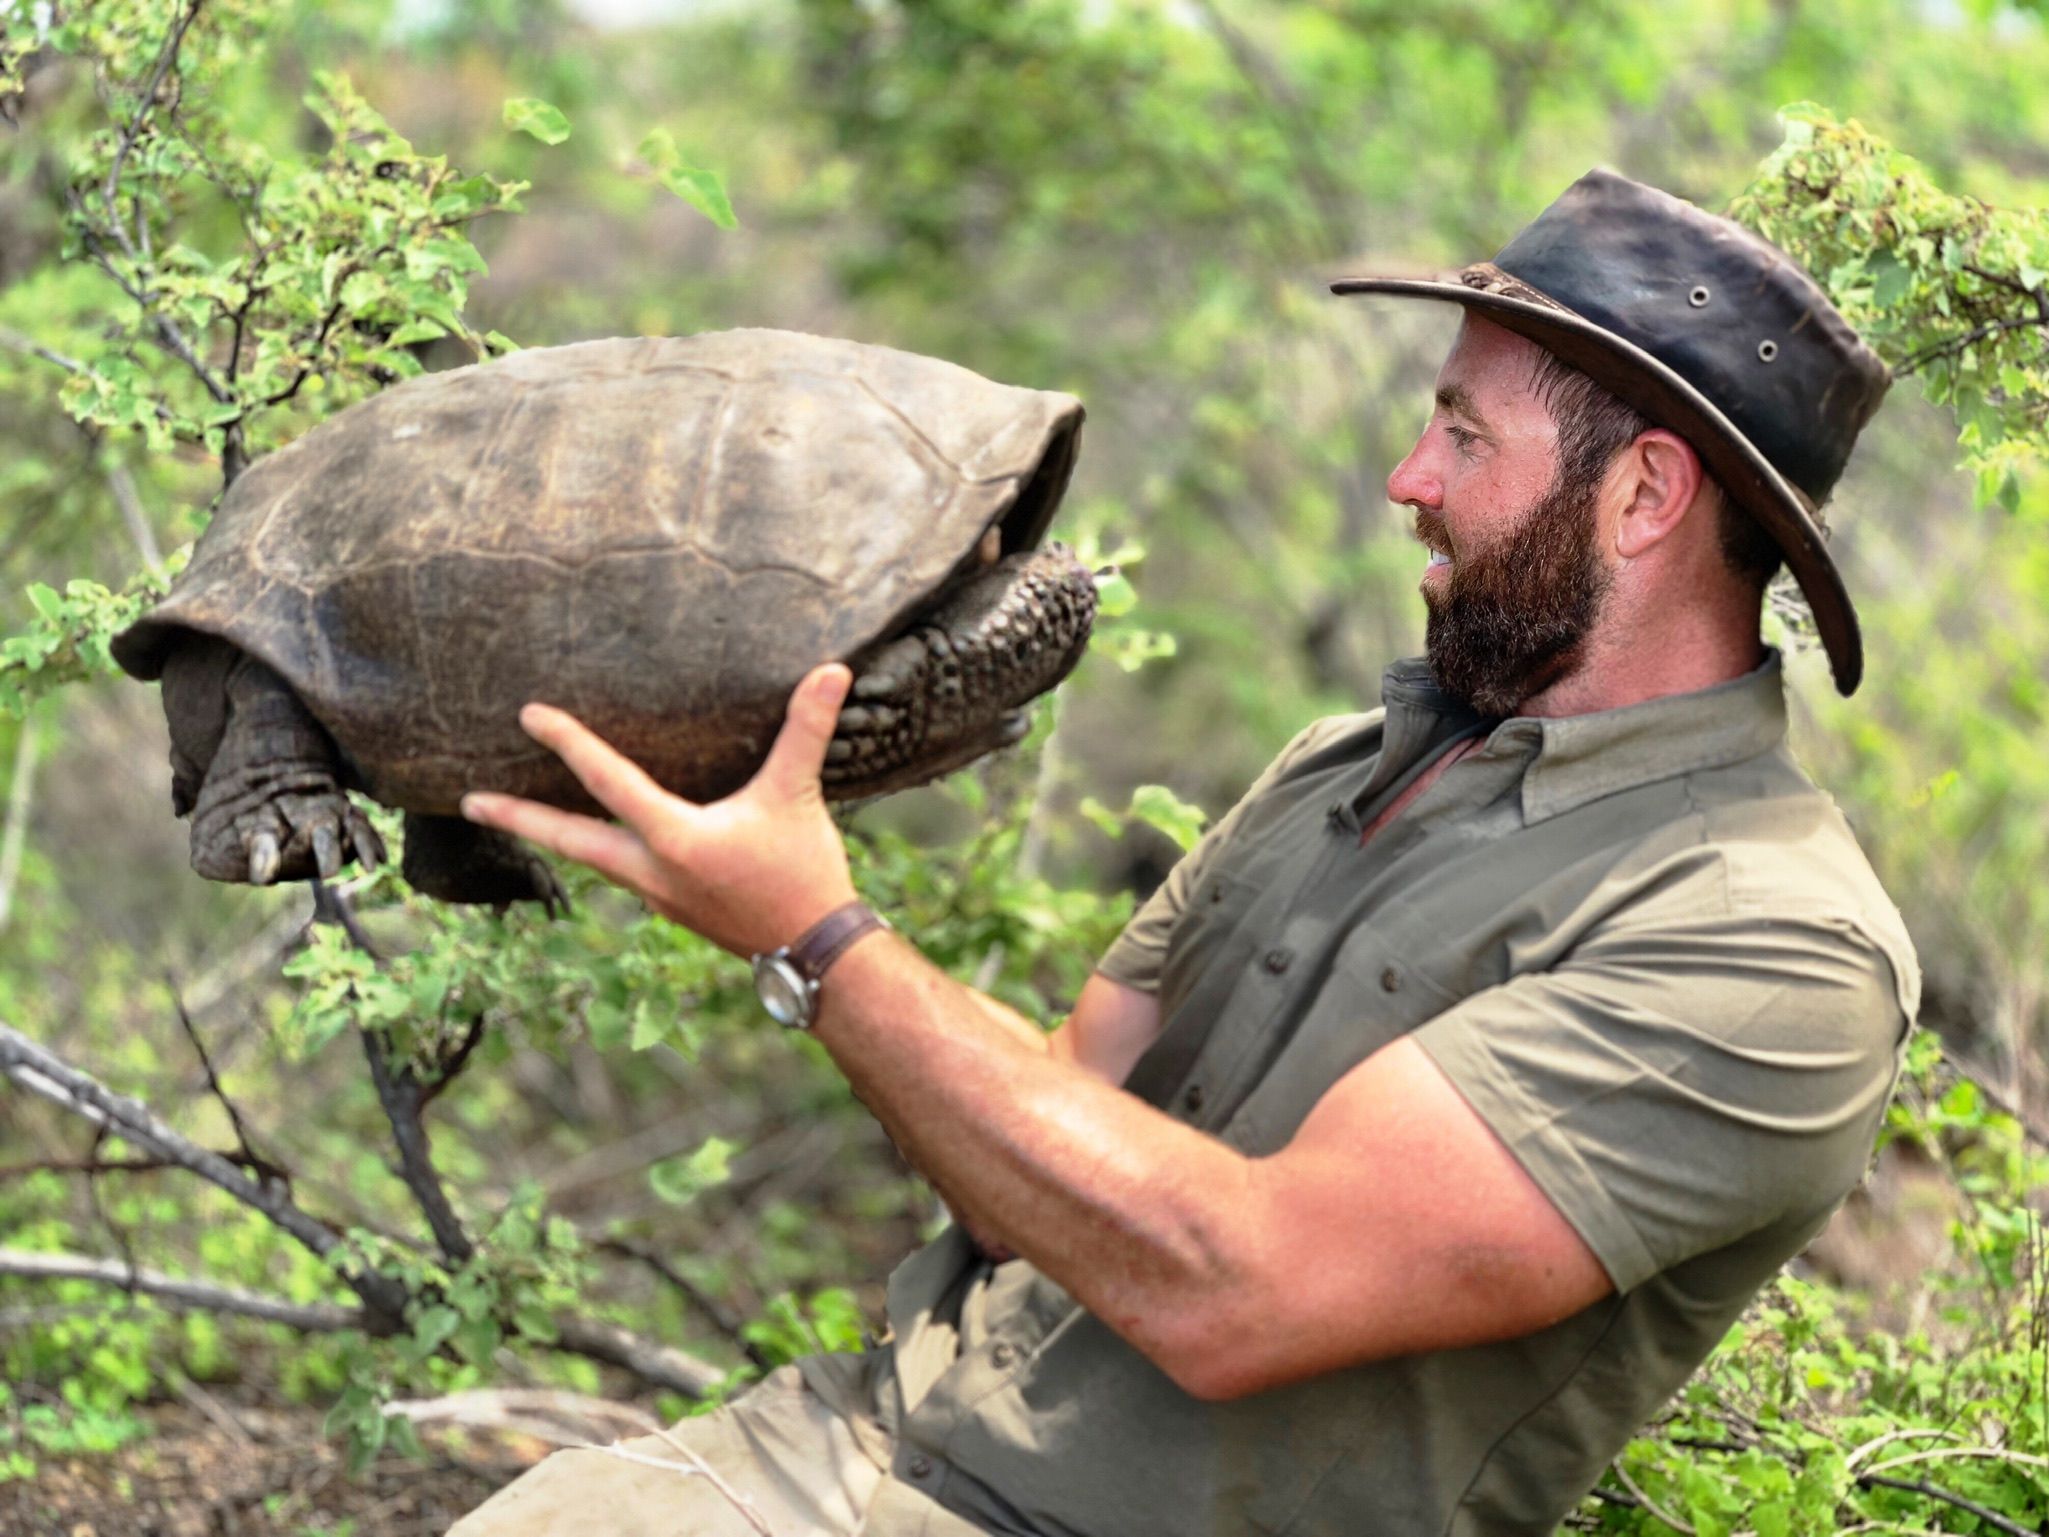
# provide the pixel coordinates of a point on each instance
(42, 1072)
(307, 1317)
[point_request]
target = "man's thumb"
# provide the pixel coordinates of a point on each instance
(798, 756)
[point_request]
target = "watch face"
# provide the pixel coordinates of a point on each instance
(782, 991)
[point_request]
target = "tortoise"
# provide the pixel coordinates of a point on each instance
(660, 535)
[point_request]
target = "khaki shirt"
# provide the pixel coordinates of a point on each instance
(1644, 948)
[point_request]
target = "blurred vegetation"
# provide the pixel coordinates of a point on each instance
(1137, 201)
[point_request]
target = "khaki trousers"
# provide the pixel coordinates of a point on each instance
(779, 1461)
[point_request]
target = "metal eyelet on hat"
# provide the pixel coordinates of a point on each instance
(1699, 297)
(1767, 350)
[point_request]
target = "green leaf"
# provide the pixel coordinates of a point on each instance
(434, 1327)
(1115, 596)
(650, 1025)
(1159, 807)
(680, 1181)
(531, 115)
(536, 1323)
(701, 189)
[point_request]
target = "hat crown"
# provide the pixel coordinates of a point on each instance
(1726, 310)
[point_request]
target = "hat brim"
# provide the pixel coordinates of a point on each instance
(1667, 399)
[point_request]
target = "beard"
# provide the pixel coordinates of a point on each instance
(1513, 618)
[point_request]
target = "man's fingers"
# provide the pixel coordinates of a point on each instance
(615, 852)
(614, 780)
(798, 757)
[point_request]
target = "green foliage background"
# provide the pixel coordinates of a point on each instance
(1137, 201)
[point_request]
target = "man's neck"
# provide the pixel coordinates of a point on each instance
(1624, 664)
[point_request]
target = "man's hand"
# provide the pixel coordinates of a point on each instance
(750, 872)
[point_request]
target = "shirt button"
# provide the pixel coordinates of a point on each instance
(921, 1466)
(1193, 1098)
(1390, 979)
(1003, 1354)
(1278, 959)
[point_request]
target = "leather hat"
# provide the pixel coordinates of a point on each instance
(1708, 330)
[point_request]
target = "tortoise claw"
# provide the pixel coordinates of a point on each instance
(326, 851)
(263, 857)
(363, 837)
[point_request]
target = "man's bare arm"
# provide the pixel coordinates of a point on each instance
(1395, 1221)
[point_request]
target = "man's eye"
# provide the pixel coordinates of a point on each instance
(1461, 437)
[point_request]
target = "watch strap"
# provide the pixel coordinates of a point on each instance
(829, 938)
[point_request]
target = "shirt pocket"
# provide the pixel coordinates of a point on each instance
(1208, 929)
(1372, 994)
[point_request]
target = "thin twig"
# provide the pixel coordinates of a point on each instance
(1921, 1486)
(1947, 1453)
(1647, 1502)
(749, 1511)
(1951, 346)
(729, 1323)
(133, 131)
(122, 484)
(249, 1158)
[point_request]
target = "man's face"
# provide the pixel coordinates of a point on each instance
(1516, 576)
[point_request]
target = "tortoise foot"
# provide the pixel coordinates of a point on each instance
(454, 860)
(281, 832)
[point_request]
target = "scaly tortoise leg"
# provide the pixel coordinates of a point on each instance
(271, 805)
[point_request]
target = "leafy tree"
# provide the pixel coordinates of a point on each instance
(210, 239)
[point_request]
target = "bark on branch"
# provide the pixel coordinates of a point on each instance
(206, 1296)
(42, 1072)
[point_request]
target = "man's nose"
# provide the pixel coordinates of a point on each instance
(1414, 483)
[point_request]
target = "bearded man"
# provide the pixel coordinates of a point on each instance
(1448, 1103)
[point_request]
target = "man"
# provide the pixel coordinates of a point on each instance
(1450, 1100)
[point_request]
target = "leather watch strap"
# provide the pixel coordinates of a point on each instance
(827, 939)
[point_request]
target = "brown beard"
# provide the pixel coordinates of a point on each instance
(1513, 618)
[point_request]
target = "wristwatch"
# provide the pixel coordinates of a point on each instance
(786, 980)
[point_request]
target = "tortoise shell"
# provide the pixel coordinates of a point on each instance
(660, 535)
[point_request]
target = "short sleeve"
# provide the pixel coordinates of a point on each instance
(1137, 955)
(1681, 1083)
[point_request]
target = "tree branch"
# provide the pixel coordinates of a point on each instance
(649, 1360)
(399, 1092)
(1953, 345)
(42, 1072)
(308, 1317)
(403, 1098)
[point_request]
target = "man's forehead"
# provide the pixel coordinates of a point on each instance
(1489, 369)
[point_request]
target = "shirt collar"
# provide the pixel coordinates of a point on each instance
(1574, 759)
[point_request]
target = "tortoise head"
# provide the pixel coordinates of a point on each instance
(1008, 623)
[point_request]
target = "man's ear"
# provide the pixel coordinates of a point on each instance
(1659, 479)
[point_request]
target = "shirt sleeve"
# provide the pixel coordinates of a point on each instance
(1136, 956)
(1681, 1082)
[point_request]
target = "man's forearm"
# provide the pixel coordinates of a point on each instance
(1121, 1204)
